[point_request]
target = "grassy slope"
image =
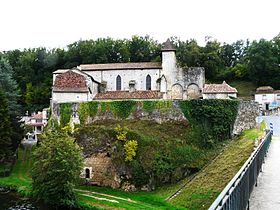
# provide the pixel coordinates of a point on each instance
(205, 187)
(244, 88)
(20, 176)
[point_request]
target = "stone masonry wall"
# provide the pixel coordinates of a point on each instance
(172, 113)
(246, 116)
(102, 171)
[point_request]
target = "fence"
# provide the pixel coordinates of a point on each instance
(236, 194)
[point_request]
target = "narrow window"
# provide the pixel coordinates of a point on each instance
(119, 83)
(87, 173)
(148, 82)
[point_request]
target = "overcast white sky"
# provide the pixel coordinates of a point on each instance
(57, 23)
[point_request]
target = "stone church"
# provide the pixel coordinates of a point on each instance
(118, 81)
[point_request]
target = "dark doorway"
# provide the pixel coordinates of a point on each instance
(266, 106)
(87, 173)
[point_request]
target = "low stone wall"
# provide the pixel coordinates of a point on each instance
(246, 116)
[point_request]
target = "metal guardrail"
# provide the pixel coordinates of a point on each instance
(236, 194)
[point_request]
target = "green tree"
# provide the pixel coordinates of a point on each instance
(263, 63)
(188, 52)
(5, 128)
(143, 49)
(211, 59)
(9, 86)
(56, 170)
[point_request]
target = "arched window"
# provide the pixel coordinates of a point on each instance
(87, 173)
(119, 83)
(148, 82)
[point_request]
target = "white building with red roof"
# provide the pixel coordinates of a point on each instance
(267, 97)
(38, 121)
(118, 81)
(219, 91)
(73, 85)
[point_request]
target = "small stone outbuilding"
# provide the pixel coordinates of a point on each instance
(219, 91)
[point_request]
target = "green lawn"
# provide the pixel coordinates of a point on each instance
(20, 176)
(123, 200)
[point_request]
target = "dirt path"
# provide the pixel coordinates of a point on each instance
(106, 195)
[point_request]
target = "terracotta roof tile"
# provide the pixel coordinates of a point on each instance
(264, 89)
(120, 66)
(37, 116)
(150, 94)
(218, 88)
(70, 82)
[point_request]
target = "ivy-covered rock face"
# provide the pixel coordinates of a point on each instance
(212, 118)
(88, 112)
(145, 153)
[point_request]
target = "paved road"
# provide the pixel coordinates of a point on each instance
(266, 196)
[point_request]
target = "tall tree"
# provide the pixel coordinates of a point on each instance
(211, 59)
(188, 53)
(56, 170)
(9, 86)
(263, 64)
(143, 49)
(5, 128)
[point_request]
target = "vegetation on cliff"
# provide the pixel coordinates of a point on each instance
(165, 153)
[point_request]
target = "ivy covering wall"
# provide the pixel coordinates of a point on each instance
(120, 109)
(151, 105)
(65, 113)
(87, 109)
(212, 118)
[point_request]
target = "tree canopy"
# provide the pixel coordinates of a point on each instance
(56, 170)
(5, 129)
(10, 89)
